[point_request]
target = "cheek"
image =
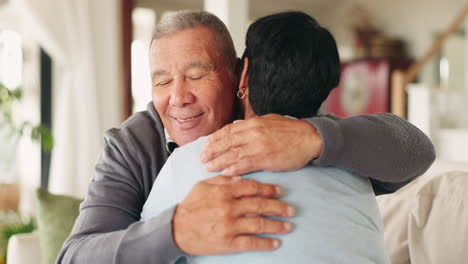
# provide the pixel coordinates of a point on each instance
(223, 106)
(217, 97)
(160, 100)
(223, 98)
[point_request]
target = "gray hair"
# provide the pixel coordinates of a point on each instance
(181, 20)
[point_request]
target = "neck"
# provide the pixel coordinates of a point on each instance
(249, 113)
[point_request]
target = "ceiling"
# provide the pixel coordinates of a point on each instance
(257, 8)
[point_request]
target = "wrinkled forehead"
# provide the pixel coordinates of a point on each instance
(199, 37)
(197, 43)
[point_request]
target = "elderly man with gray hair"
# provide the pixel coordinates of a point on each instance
(193, 70)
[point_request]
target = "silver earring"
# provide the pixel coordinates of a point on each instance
(240, 95)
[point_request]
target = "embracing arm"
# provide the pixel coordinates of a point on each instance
(108, 229)
(104, 235)
(384, 147)
(387, 149)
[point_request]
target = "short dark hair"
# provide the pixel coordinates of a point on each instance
(293, 64)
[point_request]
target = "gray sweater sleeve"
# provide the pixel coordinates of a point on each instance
(100, 236)
(383, 147)
(108, 229)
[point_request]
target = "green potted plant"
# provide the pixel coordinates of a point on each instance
(11, 131)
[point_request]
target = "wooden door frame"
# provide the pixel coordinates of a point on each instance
(127, 37)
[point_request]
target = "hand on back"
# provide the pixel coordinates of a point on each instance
(222, 215)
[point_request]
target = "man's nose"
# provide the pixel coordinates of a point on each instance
(181, 94)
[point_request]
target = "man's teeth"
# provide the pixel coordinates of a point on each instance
(186, 120)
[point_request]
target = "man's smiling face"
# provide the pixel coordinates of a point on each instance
(192, 91)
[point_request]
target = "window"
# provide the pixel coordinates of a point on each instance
(144, 20)
(11, 58)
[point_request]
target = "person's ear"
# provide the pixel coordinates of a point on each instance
(244, 77)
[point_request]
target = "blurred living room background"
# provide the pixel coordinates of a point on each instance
(71, 69)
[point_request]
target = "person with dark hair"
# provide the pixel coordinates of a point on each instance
(290, 66)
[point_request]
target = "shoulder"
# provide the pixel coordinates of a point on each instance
(139, 142)
(138, 146)
(144, 127)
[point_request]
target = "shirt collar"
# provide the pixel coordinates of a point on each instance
(170, 144)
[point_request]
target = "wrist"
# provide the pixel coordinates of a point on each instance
(314, 142)
(175, 222)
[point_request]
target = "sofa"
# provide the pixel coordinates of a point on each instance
(414, 231)
(427, 220)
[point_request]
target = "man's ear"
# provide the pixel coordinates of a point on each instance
(244, 77)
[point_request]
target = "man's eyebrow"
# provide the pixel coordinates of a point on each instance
(198, 64)
(159, 73)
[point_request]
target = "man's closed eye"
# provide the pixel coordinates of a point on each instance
(163, 83)
(195, 77)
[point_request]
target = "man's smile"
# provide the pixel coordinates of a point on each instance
(187, 122)
(187, 119)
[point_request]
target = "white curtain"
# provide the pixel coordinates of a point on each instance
(63, 28)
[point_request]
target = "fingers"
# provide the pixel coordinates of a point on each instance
(262, 206)
(262, 225)
(253, 243)
(270, 142)
(250, 143)
(216, 147)
(232, 211)
(232, 156)
(223, 159)
(231, 129)
(230, 136)
(254, 188)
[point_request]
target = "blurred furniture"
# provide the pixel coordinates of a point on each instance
(426, 221)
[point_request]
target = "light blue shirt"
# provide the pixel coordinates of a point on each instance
(337, 219)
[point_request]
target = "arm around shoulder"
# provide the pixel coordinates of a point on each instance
(383, 147)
